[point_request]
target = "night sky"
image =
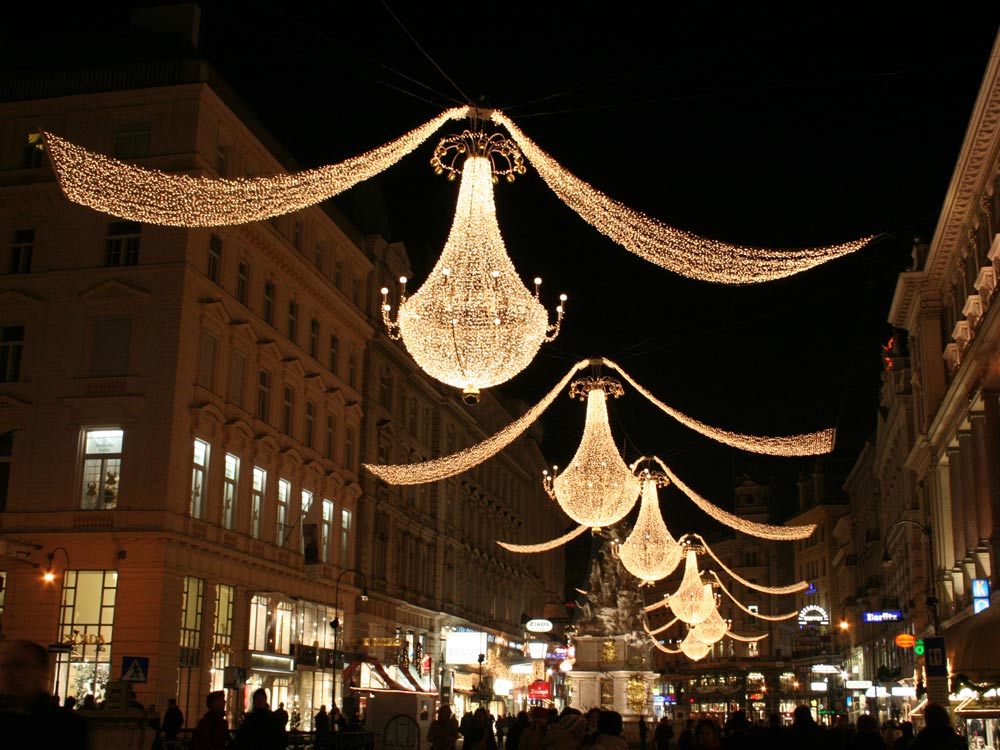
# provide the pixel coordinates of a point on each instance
(790, 129)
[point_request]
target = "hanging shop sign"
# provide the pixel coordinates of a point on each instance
(906, 640)
(980, 595)
(813, 614)
(890, 615)
(464, 648)
(379, 642)
(538, 625)
(539, 690)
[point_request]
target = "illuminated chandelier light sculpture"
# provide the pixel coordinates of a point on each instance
(649, 552)
(453, 464)
(473, 324)
(682, 252)
(179, 200)
(712, 628)
(689, 602)
(597, 488)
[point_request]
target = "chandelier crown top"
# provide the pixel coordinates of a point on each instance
(506, 159)
(580, 388)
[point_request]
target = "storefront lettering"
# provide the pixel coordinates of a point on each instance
(89, 639)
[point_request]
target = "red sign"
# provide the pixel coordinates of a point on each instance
(425, 665)
(905, 640)
(539, 689)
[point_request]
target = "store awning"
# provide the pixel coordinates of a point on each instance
(384, 677)
(973, 646)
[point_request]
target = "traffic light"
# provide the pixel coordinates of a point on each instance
(918, 647)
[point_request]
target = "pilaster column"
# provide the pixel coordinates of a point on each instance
(969, 510)
(955, 493)
(991, 439)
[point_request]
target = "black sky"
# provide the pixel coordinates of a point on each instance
(760, 127)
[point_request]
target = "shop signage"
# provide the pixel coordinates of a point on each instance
(825, 669)
(980, 595)
(877, 692)
(464, 648)
(379, 642)
(858, 684)
(889, 615)
(906, 640)
(539, 690)
(817, 687)
(934, 657)
(538, 625)
(903, 691)
(272, 663)
(502, 688)
(813, 614)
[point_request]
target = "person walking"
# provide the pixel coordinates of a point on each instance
(480, 734)
(663, 735)
(321, 729)
(567, 733)
(28, 714)
(643, 732)
(259, 730)
(212, 731)
(443, 732)
(938, 734)
(173, 720)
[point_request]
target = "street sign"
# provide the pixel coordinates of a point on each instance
(906, 640)
(135, 668)
(935, 660)
(891, 615)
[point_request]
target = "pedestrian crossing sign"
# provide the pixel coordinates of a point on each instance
(135, 668)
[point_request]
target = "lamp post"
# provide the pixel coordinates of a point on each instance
(481, 658)
(338, 626)
(887, 561)
(49, 577)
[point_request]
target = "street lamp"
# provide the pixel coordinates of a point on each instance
(887, 562)
(49, 576)
(338, 626)
(481, 658)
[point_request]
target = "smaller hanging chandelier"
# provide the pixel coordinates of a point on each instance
(650, 553)
(473, 324)
(690, 603)
(712, 628)
(694, 648)
(597, 488)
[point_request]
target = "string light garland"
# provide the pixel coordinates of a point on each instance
(650, 553)
(682, 252)
(774, 590)
(760, 530)
(451, 465)
(544, 546)
(809, 444)
(473, 324)
(597, 488)
(154, 197)
(659, 630)
(738, 603)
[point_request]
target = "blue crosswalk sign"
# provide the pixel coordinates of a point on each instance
(135, 668)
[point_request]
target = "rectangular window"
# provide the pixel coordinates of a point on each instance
(284, 497)
(349, 447)
(310, 433)
(257, 501)
(102, 467)
(230, 490)
(206, 366)
(352, 368)
(237, 375)
(222, 159)
(21, 250)
(263, 395)
(297, 235)
(132, 140)
(345, 538)
(199, 473)
(338, 275)
(331, 427)
(111, 346)
(356, 290)
(214, 269)
(314, 338)
(288, 411)
(318, 257)
(242, 282)
(385, 387)
(326, 532)
(122, 245)
(307, 503)
(192, 604)
(11, 346)
(293, 320)
(334, 353)
(268, 311)
(222, 633)
(86, 624)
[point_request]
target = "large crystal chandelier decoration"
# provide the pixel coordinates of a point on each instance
(597, 488)
(473, 324)
(690, 603)
(649, 552)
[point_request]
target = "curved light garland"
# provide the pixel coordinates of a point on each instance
(779, 590)
(179, 200)
(597, 489)
(761, 530)
(467, 458)
(738, 603)
(682, 252)
(688, 603)
(650, 553)
(473, 324)
(544, 546)
(661, 629)
(808, 444)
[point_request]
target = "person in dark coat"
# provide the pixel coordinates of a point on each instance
(938, 734)
(521, 723)
(28, 713)
(281, 720)
(443, 732)
(212, 732)
(868, 737)
(321, 726)
(738, 735)
(259, 730)
(805, 732)
(172, 722)
(663, 734)
(643, 732)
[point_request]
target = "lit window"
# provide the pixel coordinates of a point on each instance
(284, 497)
(326, 534)
(345, 539)
(86, 624)
(223, 633)
(257, 501)
(102, 465)
(230, 486)
(307, 502)
(199, 472)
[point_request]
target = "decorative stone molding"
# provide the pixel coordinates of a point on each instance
(953, 356)
(973, 311)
